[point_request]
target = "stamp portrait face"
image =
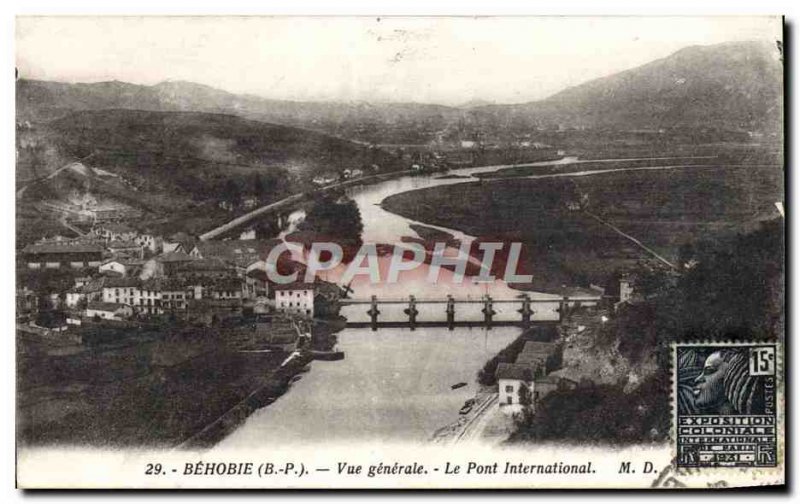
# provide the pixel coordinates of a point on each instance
(726, 413)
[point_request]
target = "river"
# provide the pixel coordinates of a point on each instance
(394, 384)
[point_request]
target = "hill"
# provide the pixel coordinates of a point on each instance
(176, 166)
(732, 86)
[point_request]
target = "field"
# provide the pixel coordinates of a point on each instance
(566, 244)
(145, 389)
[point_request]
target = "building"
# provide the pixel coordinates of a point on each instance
(127, 249)
(224, 288)
(112, 231)
(63, 254)
(514, 383)
(256, 284)
(26, 301)
(149, 242)
(108, 311)
(88, 291)
(325, 179)
(517, 386)
(166, 264)
(625, 288)
(173, 295)
(121, 291)
(204, 268)
(295, 298)
(122, 267)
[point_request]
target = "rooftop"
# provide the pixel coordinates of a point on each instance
(538, 347)
(175, 257)
(62, 247)
(123, 244)
(109, 307)
(233, 249)
(121, 282)
(294, 286)
(117, 227)
(506, 371)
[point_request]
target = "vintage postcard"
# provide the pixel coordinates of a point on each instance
(400, 252)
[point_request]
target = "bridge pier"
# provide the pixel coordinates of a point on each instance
(526, 311)
(562, 309)
(373, 313)
(412, 312)
(488, 312)
(451, 312)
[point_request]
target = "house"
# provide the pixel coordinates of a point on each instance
(256, 284)
(167, 263)
(126, 248)
(514, 383)
(296, 298)
(244, 255)
(112, 231)
(63, 254)
(212, 267)
(173, 295)
(534, 356)
(149, 242)
(148, 301)
(625, 289)
(517, 386)
(224, 288)
(89, 291)
(179, 242)
(250, 203)
(121, 291)
(122, 267)
(325, 179)
(26, 301)
(108, 311)
(169, 246)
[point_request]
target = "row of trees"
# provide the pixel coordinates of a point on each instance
(730, 290)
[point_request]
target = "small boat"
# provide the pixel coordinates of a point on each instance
(465, 409)
(333, 355)
(458, 385)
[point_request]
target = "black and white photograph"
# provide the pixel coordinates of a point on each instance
(399, 252)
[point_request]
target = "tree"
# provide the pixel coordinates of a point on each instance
(258, 186)
(231, 193)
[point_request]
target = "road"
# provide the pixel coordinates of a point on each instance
(51, 175)
(474, 427)
(290, 200)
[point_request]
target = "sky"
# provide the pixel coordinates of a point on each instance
(442, 60)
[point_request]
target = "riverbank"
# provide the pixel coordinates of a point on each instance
(155, 390)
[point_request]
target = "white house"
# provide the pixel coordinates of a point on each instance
(517, 381)
(149, 242)
(514, 381)
(114, 266)
(295, 298)
(108, 311)
(121, 291)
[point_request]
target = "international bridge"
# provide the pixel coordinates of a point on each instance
(451, 312)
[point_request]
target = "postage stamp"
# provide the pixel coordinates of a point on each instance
(726, 405)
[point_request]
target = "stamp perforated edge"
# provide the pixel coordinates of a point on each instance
(735, 476)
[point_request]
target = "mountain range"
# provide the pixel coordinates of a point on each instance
(735, 86)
